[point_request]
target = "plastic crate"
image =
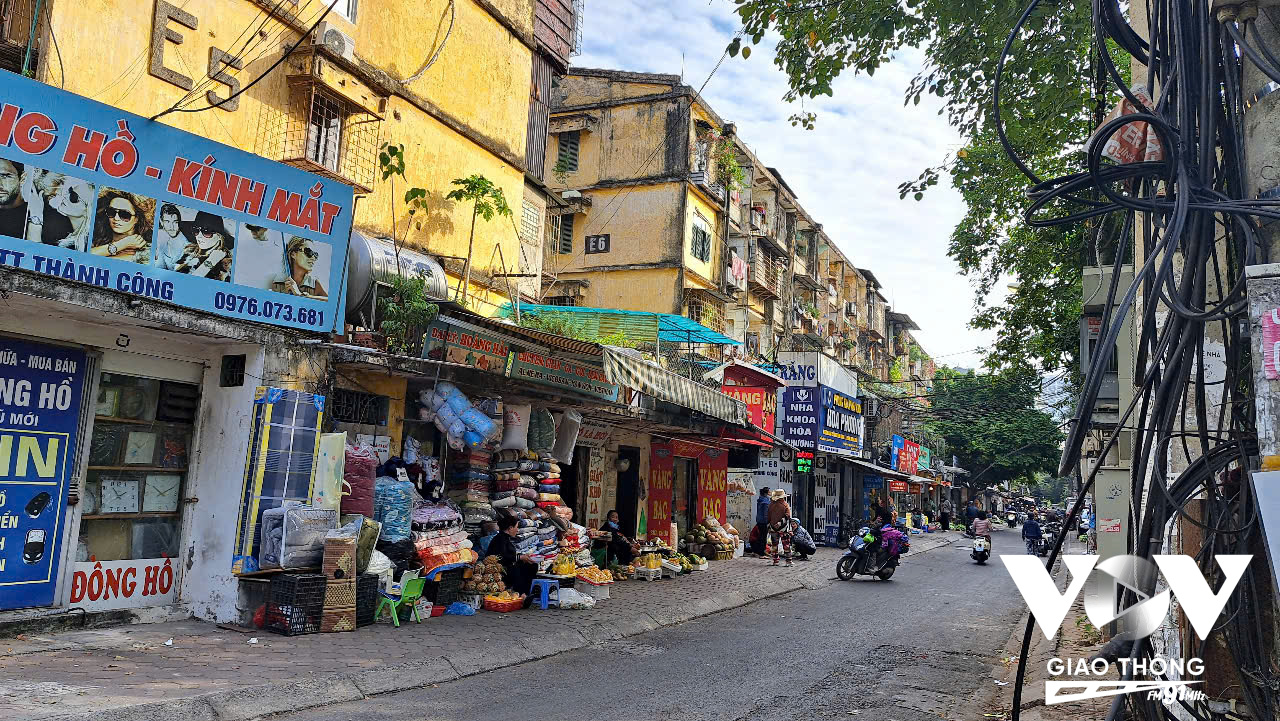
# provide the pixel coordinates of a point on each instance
(296, 603)
(446, 589)
(366, 599)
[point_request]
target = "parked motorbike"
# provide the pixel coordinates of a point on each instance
(981, 550)
(873, 553)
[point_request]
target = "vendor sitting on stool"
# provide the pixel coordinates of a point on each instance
(518, 568)
(620, 547)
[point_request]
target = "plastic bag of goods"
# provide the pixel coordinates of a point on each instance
(393, 507)
(567, 436)
(515, 427)
(358, 474)
(542, 430)
(330, 467)
(571, 599)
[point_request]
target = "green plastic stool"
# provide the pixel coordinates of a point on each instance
(410, 595)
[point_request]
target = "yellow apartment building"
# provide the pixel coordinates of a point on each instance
(324, 88)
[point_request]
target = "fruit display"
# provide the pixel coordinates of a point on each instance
(564, 565)
(598, 576)
(504, 596)
(695, 559)
(651, 561)
(486, 578)
(622, 573)
(706, 534)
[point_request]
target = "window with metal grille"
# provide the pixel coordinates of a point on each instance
(564, 243)
(348, 406)
(701, 239)
(562, 300)
(529, 222)
(321, 132)
(568, 151)
(324, 131)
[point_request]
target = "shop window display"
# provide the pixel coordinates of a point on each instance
(138, 455)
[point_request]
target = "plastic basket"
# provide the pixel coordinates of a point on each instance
(503, 606)
(337, 620)
(366, 599)
(340, 594)
(447, 587)
(296, 603)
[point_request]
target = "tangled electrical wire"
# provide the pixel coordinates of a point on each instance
(1188, 215)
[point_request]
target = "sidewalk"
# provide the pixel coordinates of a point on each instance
(1076, 639)
(211, 673)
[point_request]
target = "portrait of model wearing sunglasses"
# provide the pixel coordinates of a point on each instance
(210, 240)
(123, 227)
(59, 208)
(305, 266)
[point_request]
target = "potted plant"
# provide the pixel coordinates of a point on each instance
(405, 313)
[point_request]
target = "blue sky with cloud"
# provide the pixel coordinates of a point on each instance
(846, 171)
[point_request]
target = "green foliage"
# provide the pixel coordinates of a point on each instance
(898, 370)
(728, 171)
(1047, 106)
(405, 313)
(391, 163)
(811, 310)
(992, 424)
(488, 199)
(915, 353)
(561, 171)
(565, 325)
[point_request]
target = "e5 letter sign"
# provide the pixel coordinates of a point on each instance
(41, 391)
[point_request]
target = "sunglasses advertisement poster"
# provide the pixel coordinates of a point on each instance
(92, 194)
(41, 393)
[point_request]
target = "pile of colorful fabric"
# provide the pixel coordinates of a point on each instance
(469, 485)
(513, 486)
(439, 536)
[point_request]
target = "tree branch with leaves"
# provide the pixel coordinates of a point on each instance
(487, 200)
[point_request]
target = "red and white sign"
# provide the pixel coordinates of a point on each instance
(105, 585)
(1110, 525)
(909, 457)
(593, 435)
(898, 486)
(595, 489)
(761, 402)
(1271, 344)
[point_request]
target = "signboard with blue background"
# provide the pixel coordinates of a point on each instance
(41, 392)
(92, 194)
(821, 419)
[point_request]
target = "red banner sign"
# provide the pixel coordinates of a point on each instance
(662, 463)
(898, 486)
(761, 402)
(713, 484)
(908, 457)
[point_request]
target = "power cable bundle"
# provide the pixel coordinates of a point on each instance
(1188, 206)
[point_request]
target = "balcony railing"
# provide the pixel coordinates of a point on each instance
(765, 277)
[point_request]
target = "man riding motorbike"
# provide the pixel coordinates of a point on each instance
(1031, 533)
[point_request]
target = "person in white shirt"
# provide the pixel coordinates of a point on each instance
(260, 260)
(169, 243)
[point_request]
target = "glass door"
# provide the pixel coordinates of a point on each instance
(138, 456)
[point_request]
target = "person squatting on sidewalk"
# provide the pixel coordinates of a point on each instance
(780, 525)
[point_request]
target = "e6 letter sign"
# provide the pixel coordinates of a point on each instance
(41, 391)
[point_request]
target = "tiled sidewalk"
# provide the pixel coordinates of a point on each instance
(211, 673)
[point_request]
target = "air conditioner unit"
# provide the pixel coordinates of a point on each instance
(336, 41)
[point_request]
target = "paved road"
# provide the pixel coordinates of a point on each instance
(920, 643)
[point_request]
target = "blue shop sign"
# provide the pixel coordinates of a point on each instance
(872, 482)
(92, 194)
(41, 393)
(821, 419)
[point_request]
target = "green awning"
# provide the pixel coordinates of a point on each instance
(637, 326)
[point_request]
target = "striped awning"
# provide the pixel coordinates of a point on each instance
(644, 377)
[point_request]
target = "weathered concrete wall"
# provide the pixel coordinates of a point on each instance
(1264, 298)
(656, 290)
